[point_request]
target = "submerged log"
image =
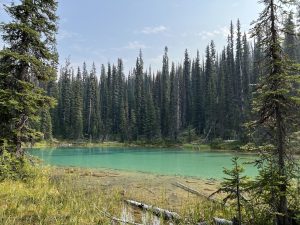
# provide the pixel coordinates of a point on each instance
(166, 214)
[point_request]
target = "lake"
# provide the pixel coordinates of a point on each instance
(200, 164)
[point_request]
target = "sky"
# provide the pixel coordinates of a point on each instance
(102, 31)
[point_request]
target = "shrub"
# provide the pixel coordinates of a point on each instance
(15, 168)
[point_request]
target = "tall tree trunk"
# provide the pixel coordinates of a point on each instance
(282, 218)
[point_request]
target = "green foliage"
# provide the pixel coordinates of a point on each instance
(276, 105)
(235, 185)
(15, 168)
(28, 58)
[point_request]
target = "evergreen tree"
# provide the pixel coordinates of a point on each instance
(186, 115)
(64, 103)
(174, 106)
(210, 91)
(198, 99)
(28, 58)
(93, 106)
(277, 107)
(290, 38)
(234, 185)
(138, 92)
(165, 93)
(104, 103)
(46, 124)
(77, 125)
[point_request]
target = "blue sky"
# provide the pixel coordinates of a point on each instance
(105, 30)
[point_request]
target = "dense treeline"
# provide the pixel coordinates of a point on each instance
(208, 98)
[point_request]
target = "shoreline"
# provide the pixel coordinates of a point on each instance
(145, 187)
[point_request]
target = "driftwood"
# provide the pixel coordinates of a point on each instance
(186, 188)
(113, 218)
(166, 214)
(219, 221)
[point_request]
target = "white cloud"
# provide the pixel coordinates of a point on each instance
(223, 31)
(154, 30)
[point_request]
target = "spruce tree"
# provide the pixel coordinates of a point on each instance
(165, 95)
(174, 106)
(186, 115)
(77, 126)
(277, 106)
(29, 57)
(290, 38)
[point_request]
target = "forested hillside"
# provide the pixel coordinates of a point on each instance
(202, 97)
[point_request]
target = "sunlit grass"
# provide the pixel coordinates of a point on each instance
(52, 200)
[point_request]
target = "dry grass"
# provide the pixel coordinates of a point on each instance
(74, 196)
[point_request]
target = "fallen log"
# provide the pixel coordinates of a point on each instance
(219, 221)
(186, 188)
(166, 214)
(113, 218)
(202, 223)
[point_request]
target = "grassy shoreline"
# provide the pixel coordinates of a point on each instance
(55, 196)
(227, 146)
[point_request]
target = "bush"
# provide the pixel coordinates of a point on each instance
(15, 168)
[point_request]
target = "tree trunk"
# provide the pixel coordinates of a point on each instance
(282, 219)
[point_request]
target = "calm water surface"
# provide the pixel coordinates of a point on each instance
(207, 164)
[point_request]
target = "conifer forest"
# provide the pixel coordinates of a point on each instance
(210, 97)
(211, 138)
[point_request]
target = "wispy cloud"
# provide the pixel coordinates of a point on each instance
(64, 35)
(154, 30)
(133, 45)
(224, 31)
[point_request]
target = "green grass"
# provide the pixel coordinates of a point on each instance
(52, 197)
(52, 200)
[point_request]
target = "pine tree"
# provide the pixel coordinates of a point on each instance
(290, 39)
(46, 124)
(210, 91)
(104, 102)
(85, 86)
(245, 80)
(165, 93)
(65, 101)
(174, 106)
(28, 58)
(221, 93)
(186, 115)
(238, 80)
(93, 106)
(139, 92)
(277, 107)
(77, 125)
(198, 97)
(234, 185)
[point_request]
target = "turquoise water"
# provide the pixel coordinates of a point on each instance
(207, 164)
